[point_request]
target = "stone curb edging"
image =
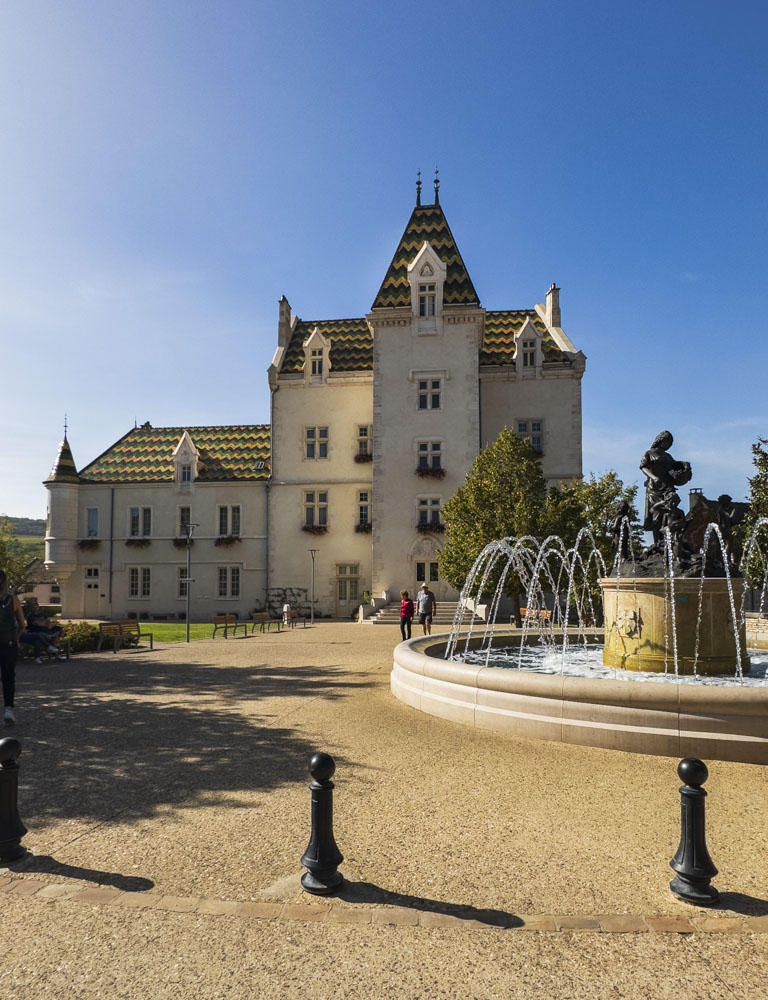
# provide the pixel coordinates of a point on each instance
(379, 914)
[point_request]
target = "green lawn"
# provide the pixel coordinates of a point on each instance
(172, 632)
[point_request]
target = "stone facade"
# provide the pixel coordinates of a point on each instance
(375, 422)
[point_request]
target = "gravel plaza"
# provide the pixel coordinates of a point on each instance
(166, 797)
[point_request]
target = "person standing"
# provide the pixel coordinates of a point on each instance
(427, 608)
(11, 626)
(406, 614)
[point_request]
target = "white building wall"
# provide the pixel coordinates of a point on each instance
(342, 404)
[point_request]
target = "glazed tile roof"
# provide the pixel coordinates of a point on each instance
(501, 325)
(351, 345)
(145, 454)
(64, 469)
(427, 222)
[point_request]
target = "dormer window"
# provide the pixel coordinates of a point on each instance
(529, 353)
(317, 358)
(427, 299)
(185, 463)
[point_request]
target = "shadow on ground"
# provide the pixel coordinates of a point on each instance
(366, 892)
(37, 864)
(739, 902)
(119, 738)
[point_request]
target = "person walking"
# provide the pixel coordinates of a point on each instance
(427, 608)
(11, 626)
(406, 614)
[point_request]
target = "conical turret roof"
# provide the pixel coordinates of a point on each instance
(64, 470)
(427, 222)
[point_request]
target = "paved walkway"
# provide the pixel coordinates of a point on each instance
(167, 805)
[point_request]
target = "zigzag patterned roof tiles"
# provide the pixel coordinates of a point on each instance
(145, 454)
(351, 345)
(427, 222)
(64, 469)
(501, 325)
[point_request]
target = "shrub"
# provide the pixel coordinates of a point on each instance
(82, 636)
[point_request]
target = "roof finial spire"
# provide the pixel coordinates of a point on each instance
(437, 187)
(65, 427)
(418, 187)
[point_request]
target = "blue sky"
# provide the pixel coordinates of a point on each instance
(168, 170)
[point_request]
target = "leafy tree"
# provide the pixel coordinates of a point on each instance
(758, 508)
(505, 494)
(13, 558)
(593, 503)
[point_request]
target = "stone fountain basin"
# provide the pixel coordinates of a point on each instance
(674, 720)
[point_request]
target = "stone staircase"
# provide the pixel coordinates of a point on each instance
(390, 615)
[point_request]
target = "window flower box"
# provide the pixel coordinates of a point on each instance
(88, 544)
(315, 529)
(362, 457)
(226, 540)
(364, 527)
(429, 528)
(426, 473)
(181, 543)
(137, 543)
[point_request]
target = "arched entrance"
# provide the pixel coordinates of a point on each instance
(423, 566)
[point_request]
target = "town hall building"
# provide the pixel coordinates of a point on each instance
(375, 422)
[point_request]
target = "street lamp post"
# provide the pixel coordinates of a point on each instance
(188, 581)
(312, 606)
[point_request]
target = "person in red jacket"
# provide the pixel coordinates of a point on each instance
(406, 614)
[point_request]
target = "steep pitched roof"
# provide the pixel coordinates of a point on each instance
(427, 222)
(145, 454)
(501, 325)
(351, 345)
(64, 469)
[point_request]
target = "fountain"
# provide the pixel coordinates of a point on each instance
(672, 617)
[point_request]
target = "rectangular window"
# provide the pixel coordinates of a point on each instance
(93, 522)
(139, 581)
(529, 354)
(316, 358)
(533, 430)
(364, 440)
(429, 510)
(430, 454)
(92, 572)
(229, 520)
(228, 581)
(186, 473)
(183, 585)
(364, 508)
(423, 568)
(316, 507)
(185, 519)
(429, 393)
(316, 442)
(140, 522)
(427, 299)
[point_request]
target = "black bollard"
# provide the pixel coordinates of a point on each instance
(11, 827)
(322, 857)
(692, 862)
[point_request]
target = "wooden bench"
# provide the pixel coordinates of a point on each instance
(540, 615)
(126, 633)
(294, 617)
(264, 620)
(227, 623)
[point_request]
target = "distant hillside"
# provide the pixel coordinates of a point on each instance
(34, 526)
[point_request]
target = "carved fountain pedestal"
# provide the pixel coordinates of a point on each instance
(644, 622)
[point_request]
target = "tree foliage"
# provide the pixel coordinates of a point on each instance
(13, 557)
(505, 495)
(758, 508)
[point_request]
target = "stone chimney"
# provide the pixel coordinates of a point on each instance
(284, 323)
(552, 311)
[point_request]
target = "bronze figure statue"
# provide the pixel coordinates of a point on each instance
(663, 474)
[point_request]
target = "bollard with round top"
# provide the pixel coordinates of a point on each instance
(692, 862)
(322, 857)
(11, 827)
